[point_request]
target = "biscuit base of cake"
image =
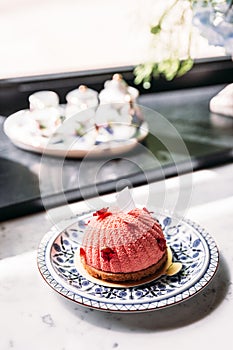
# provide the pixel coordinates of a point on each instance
(125, 277)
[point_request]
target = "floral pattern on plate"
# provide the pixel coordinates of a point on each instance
(190, 244)
(120, 138)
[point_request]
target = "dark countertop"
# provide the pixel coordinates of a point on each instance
(208, 139)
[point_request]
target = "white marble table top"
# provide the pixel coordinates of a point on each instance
(34, 317)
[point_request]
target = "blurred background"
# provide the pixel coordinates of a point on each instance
(51, 36)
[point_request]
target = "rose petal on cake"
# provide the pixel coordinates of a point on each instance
(107, 253)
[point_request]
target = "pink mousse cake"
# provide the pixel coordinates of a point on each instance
(120, 247)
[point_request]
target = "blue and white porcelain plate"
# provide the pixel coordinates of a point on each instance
(190, 244)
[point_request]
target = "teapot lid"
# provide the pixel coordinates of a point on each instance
(81, 95)
(43, 99)
(117, 90)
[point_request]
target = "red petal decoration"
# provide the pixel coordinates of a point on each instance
(161, 243)
(82, 252)
(102, 213)
(107, 254)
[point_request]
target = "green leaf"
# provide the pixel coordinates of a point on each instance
(143, 73)
(155, 29)
(155, 71)
(185, 66)
(172, 70)
(139, 74)
(163, 66)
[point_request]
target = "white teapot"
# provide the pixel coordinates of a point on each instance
(81, 99)
(117, 93)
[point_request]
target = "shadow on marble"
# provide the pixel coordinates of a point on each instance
(179, 315)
